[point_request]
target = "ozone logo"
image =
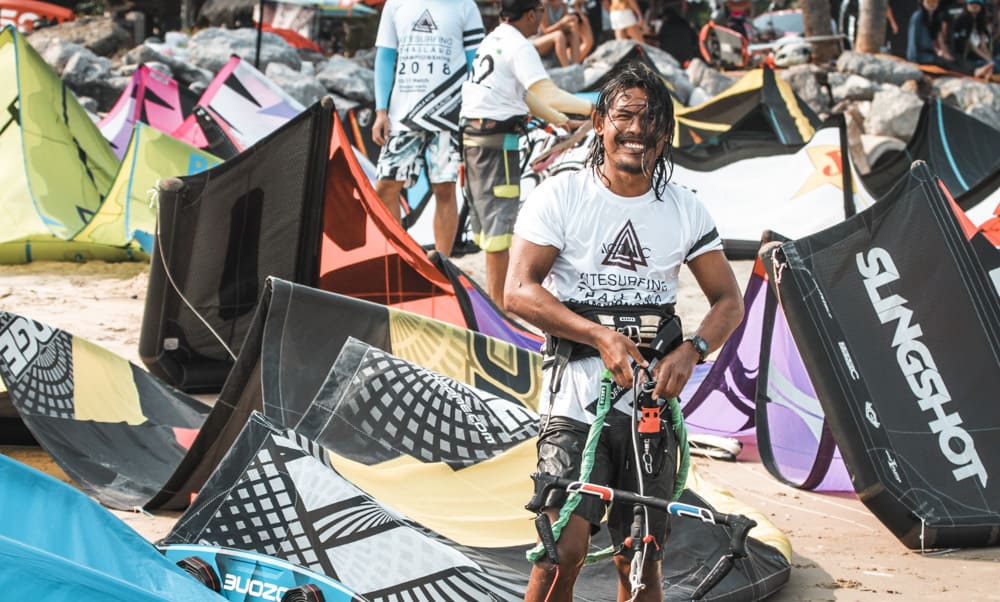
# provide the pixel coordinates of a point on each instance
(255, 588)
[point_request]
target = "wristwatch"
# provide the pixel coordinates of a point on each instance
(700, 345)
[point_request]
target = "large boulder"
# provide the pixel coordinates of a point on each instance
(90, 75)
(807, 80)
(346, 78)
(709, 80)
(849, 86)
(185, 73)
(878, 69)
(894, 112)
(57, 52)
(211, 48)
(100, 35)
(976, 98)
(568, 78)
(301, 86)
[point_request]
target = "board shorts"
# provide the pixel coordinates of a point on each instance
(622, 19)
(492, 185)
(560, 452)
(405, 154)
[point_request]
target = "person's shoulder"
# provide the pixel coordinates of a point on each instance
(681, 196)
(564, 186)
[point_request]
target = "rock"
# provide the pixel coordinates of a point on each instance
(211, 48)
(184, 73)
(346, 78)
(698, 96)
(58, 52)
(966, 93)
(607, 55)
(894, 112)
(100, 35)
(877, 146)
(568, 78)
(365, 58)
(877, 69)
(303, 88)
(84, 68)
(709, 80)
(806, 81)
(848, 86)
(88, 103)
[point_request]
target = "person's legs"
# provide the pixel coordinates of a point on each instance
(496, 274)
(399, 164)
(445, 217)
(492, 184)
(652, 578)
(586, 37)
(389, 191)
(442, 151)
(554, 583)
(553, 42)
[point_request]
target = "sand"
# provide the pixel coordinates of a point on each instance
(840, 550)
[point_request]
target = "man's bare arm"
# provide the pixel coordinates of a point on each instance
(718, 283)
(525, 296)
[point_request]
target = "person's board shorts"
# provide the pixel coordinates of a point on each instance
(492, 179)
(405, 154)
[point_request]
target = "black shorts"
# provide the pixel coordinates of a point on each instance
(560, 452)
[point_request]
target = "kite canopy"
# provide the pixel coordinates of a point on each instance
(761, 109)
(960, 149)
(906, 373)
(56, 167)
(22, 14)
(58, 544)
(152, 98)
(297, 206)
(114, 429)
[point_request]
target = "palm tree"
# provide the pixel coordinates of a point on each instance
(817, 21)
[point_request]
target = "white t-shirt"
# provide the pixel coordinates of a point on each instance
(430, 38)
(506, 65)
(613, 250)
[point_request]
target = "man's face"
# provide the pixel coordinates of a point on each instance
(629, 145)
(931, 5)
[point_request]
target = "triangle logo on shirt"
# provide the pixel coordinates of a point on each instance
(626, 250)
(425, 24)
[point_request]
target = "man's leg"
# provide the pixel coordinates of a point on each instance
(554, 583)
(652, 577)
(389, 191)
(496, 273)
(445, 217)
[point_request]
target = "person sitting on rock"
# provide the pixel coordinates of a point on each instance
(926, 40)
(970, 37)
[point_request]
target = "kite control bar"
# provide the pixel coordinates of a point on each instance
(738, 524)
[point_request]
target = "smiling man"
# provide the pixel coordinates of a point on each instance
(609, 240)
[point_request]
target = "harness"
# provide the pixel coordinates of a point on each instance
(656, 330)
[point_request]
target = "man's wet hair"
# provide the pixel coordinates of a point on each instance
(658, 123)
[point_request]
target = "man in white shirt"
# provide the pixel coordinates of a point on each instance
(613, 236)
(508, 82)
(422, 56)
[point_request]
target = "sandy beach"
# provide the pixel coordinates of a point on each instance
(841, 551)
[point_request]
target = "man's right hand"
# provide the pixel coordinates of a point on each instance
(618, 352)
(380, 129)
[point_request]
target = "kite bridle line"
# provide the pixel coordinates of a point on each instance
(154, 200)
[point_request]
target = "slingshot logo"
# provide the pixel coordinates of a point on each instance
(625, 251)
(254, 588)
(918, 366)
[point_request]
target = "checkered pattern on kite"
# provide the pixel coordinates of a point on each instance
(428, 416)
(260, 513)
(36, 363)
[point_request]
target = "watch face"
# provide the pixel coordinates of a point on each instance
(700, 345)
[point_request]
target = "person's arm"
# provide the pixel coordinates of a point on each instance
(385, 73)
(525, 296)
(943, 47)
(892, 20)
(547, 92)
(718, 283)
(913, 38)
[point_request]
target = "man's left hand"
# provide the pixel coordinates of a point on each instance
(673, 371)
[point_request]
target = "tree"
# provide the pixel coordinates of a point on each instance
(817, 21)
(871, 26)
